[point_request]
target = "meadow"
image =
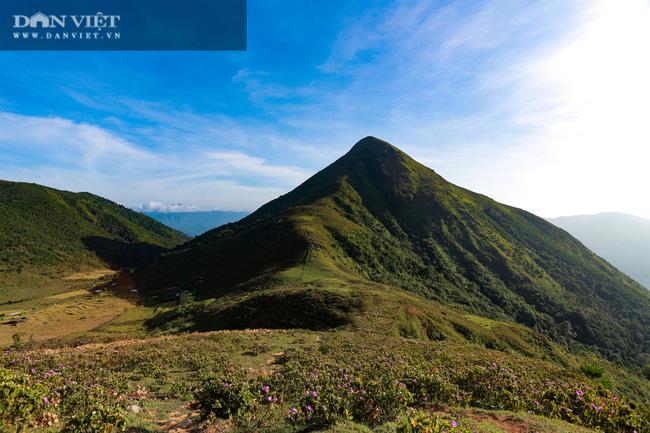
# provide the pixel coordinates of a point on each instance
(297, 380)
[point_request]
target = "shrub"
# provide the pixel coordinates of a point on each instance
(250, 404)
(420, 422)
(91, 408)
(20, 400)
(593, 371)
(224, 397)
(331, 395)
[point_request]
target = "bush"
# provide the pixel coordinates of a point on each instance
(224, 397)
(592, 371)
(331, 395)
(88, 408)
(20, 400)
(250, 404)
(419, 422)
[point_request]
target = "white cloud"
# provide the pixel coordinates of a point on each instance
(77, 156)
(542, 105)
(238, 163)
(65, 140)
(156, 206)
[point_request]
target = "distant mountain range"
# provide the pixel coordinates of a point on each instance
(621, 239)
(195, 223)
(45, 232)
(376, 221)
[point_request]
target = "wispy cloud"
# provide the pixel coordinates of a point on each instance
(79, 156)
(540, 104)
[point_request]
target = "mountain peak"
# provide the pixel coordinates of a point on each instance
(378, 215)
(374, 145)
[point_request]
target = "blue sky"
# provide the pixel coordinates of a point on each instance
(541, 104)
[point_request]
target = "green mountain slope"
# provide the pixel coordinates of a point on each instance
(377, 215)
(45, 233)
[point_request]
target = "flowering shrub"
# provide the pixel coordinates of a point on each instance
(329, 395)
(225, 397)
(46, 398)
(251, 405)
(435, 388)
(420, 422)
(374, 392)
(592, 407)
(90, 408)
(20, 400)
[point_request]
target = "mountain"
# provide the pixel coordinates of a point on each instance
(195, 223)
(621, 239)
(45, 233)
(376, 217)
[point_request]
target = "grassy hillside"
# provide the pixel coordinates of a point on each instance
(317, 381)
(377, 215)
(376, 297)
(46, 233)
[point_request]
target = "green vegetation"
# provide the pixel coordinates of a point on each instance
(374, 298)
(377, 215)
(46, 399)
(422, 422)
(46, 233)
(294, 381)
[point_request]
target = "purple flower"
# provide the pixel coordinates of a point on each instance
(265, 388)
(314, 394)
(293, 411)
(454, 424)
(46, 400)
(269, 398)
(227, 385)
(309, 408)
(580, 392)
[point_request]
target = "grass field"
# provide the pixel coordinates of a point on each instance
(70, 306)
(161, 373)
(153, 359)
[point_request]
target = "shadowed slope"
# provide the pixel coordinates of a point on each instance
(45, 232)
